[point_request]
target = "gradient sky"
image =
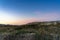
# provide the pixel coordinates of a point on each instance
(25, 11)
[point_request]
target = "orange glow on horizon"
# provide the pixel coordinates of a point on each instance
(18, 22)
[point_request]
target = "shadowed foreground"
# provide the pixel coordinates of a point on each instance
(31, 31)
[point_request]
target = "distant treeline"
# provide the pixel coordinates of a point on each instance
(47, 23)
(46, 27)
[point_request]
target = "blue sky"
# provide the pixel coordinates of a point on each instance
(24, 11)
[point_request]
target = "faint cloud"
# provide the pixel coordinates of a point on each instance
(49, 17)
(24, 21)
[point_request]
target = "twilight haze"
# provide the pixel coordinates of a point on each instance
(25, 11)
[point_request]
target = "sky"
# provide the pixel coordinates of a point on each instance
(25, 11)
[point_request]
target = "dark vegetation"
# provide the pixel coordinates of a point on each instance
(40, 28)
